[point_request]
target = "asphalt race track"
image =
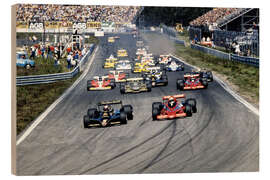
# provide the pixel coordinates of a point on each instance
(223, 136)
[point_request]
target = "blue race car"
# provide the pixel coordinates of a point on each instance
(104, 115)
(23, 61)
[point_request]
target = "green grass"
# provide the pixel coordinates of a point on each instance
(34, 99)
(44, 66)
(244, 76)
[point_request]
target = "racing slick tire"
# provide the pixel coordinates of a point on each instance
(205, 83)
(165, 79)
(128, 110)
(92, 113)
(157, 105)
(88, 85)
(123, 117)
(188, 110)
(155, 113)
(210, 75)
(192, 103)
(149, 86)
(122, 89)
(112, 84)
(180, 84)
(86, 121)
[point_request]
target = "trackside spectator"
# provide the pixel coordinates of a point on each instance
(69, 59)
(33, 52)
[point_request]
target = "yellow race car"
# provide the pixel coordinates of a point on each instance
(140, 67)
(122, 53)
(111, 39)
(110, 62)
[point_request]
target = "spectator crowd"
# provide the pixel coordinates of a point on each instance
(54, 52)
(215, 16)
(75, 13)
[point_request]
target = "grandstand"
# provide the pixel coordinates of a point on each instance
(229, 27)
(75, 13)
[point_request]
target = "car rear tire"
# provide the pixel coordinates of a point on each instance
(128, 110)
(123, 117)
(86, 121)
(192, 103)
(149, 86)
(88, 85)
(205, 83)
(210, 75)
(188, 110)
(180, 84)
(122, 89)
(92, 113)
(157, 105)
(155, 113)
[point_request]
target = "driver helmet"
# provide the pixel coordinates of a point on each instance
(171, 102)
(100, 78)
(106, 108)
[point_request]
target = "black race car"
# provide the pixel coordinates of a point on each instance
(105, 115)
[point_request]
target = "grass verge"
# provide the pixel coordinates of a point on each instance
(34, 99)
(243, 78)
(44, 66)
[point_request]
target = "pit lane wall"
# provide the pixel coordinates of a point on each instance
(50, 78)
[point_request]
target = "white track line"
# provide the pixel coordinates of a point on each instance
(52, 106)
(228, 89)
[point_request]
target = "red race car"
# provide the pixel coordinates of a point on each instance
(191, 81)
(171, 108)
(118, 76)
(100, 83)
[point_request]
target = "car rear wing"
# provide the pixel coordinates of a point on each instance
(135, 79)
(153, 68)
(97, 77)
(116, 72)
(123, 61)
(191, 75)
(102, 103)
(178, 96)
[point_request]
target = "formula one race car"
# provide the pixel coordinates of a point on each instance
(156, 76)
(140, 67)
(205, 74)
(174, 66)
(164, 59)
(191, 81)
(105, 115)
(100, 83)
(122, 53)
(171, 108)
(123, 65)
(135, 85)
(111, 39)
(118, 76)
(110, 62)
(141, 51)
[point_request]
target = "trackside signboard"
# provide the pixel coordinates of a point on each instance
(99, 33)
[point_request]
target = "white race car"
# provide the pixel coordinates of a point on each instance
(173, 66)
(123, 65)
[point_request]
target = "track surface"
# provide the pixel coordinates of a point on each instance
(222, 136)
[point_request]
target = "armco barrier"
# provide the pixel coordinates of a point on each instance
(233, 57)
(50, 78)
(213, 52)
(247, 60)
